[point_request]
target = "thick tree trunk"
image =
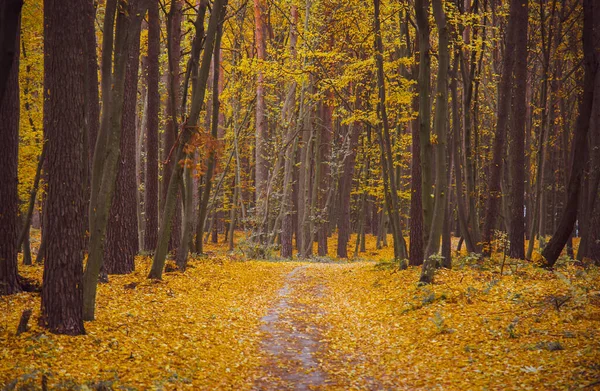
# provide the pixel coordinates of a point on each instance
(64, 124)
(516, 234)
(174, 100)
(10, 17)
(441, 130)
(440, 124)
(9, 148)
(424, 83)
(591, 53)
(122, 231)
(153, 108)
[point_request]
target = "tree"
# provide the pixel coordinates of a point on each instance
(440, 124)
(516, 234)
(591, 61)
(198, 93)
(262, 134)
(64, 124)
(122, 231)
(10, 14)
(389, 177)
(107, 150)
(151, 199)
(424, 82)
(505, 89)
(9, 144)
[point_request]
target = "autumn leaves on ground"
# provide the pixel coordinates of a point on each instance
(232, 323)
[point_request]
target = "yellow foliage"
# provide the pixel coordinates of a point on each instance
(194, 330)
(368, 325)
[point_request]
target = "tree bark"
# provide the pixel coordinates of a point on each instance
(440, 124)
(262, 134)
(107, 151)
(152, 111)
(516, 234)
(10, 21)
(122, 231)
(9, 146)
(424, 83)
(174, 101)
(64, 124)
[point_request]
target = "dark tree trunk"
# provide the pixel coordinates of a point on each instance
(170, 135)
(417, 252)
(107, 151)
(151, 182)
(324, 181)
(346, 190)
(64, 123)
(504, 98)
(516, 234)
(122, 231)
(9, 148)
(424, 83)
(212, 152)
(591, 53)
(10, 16)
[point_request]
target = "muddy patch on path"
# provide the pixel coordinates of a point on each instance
(292, 340)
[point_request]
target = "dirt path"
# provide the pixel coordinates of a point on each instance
(292, 340)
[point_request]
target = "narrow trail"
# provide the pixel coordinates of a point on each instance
(292, 340)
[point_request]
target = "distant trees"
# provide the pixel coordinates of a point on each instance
(464, 119)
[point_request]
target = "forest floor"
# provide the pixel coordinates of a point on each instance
(228, 323)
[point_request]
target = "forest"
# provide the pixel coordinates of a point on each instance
(299, 194)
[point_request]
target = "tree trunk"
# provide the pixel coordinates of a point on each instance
(591, 53)
(504, 99)
(440, 124)
(9, 146)
(516, 233)
(122, 231)
(389, 178)
(64, 124)
(153, 108)
(346, 190)
(10, 16)
(107, 151)
(171, 112)
(262, 134)
(423, 30)
(212, 153)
